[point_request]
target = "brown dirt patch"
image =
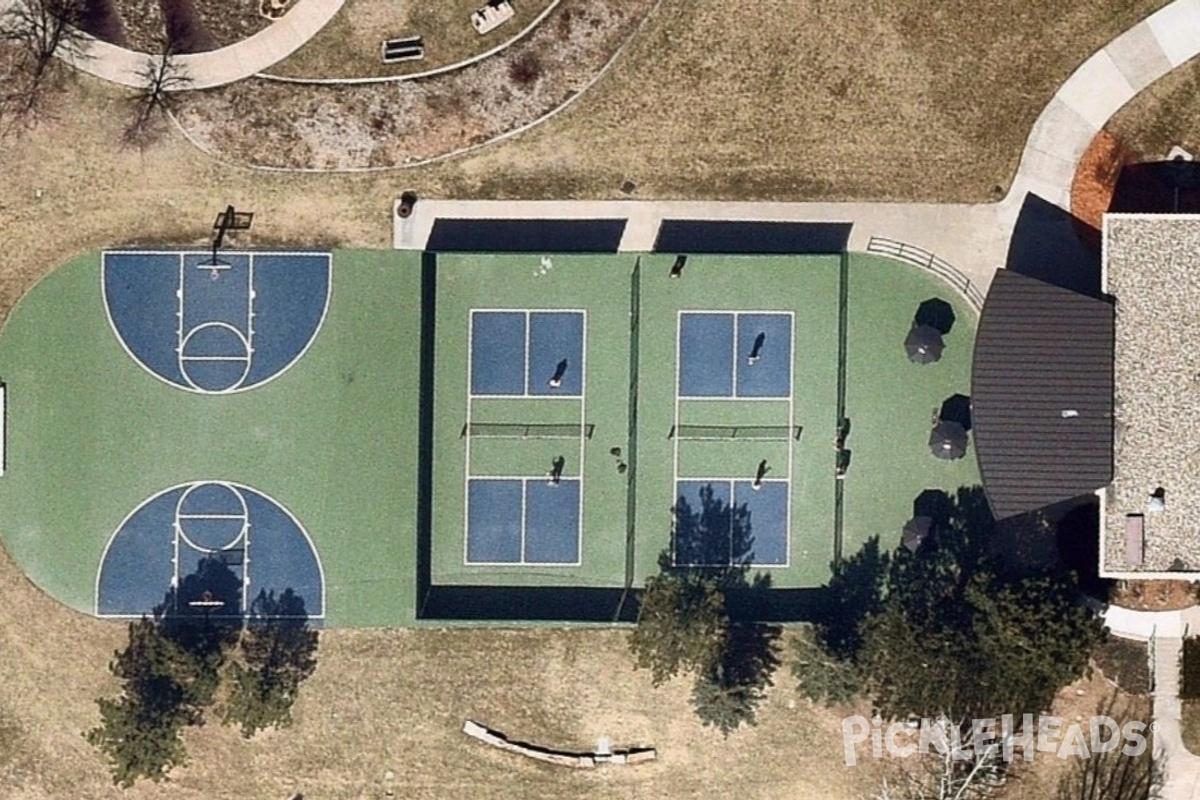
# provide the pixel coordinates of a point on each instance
(267, 123)
(1154, 595)
(1096, 177)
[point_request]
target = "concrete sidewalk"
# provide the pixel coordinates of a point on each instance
(1093, 93)
(969, 237)
(1166, 629)
(217, 67)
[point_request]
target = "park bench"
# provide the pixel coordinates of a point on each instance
(409, 48)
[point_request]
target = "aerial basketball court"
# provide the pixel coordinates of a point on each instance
(215, 325)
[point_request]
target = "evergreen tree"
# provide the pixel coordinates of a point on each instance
(279, 653)
(681, 624)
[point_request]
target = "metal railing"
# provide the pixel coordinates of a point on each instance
(920, 257)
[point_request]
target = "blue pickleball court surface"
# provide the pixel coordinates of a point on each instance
(735, 354)
(520, 352)
(722, 522)
(216, 537)
(522, 521)
(216, 328)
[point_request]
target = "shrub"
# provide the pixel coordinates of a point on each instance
(525, 70)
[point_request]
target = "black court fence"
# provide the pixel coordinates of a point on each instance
(528, 430)
(920, 257)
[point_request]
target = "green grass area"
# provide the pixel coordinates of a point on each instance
(91, 435)
(890, 401)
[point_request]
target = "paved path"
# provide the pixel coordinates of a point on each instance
(1166, 629)
(965, 235)
(217, 67)
(1097, 90)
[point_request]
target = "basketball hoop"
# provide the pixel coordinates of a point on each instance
(206, 602)
(228, 220)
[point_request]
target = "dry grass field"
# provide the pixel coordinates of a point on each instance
(837, 101)
(1165, 114)
(393, 702)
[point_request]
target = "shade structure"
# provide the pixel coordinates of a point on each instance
(948, 440)
(924, 344)
(915, 532)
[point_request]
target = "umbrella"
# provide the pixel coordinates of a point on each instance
(915, 532)
(924, 344)
(948, 440)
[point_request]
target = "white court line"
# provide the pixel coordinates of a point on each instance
(211, 516)
(527, 366)
(240, 488)
(528, 312)
(525, 481)
(675, 440)
(183, 254)
(251, 296)
(526, 396)
(466, 518)
(789, 400)
(708, 398)
(787, 527)
(524, 516)
(468, 475)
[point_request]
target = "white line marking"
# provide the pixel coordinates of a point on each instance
(182, 254)
(240, 488)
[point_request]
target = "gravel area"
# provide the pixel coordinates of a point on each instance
(1152, 271)
(273, 124)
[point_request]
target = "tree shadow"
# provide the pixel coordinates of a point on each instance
(203, 616)
(716, 541)
(936, 313)
(854, 592)
(957, 408)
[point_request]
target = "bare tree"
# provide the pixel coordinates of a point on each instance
(949, 773)
(34, 36)
(162, 78)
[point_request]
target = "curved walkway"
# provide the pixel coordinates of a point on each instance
(1166, 629)
(216, 67)
(1095, 92)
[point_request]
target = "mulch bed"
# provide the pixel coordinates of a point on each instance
(1096, 177)
(1154, 595)
(266, 123)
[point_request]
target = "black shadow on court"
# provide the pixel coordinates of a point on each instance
(526, 235)
(781, 238)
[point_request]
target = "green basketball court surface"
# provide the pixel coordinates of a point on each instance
(420, 462)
